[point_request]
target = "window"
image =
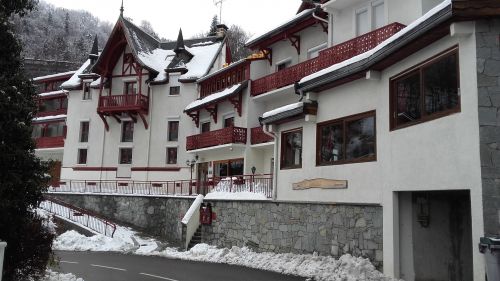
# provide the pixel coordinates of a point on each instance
(37, 131)
(87, 94)
(229, 122)
(314, 52)
(283, 64)
(54, 130)
(291, 149)
(172, 155)
(428, 91)
(125, 155)
(205, 127)
(362, 24)
(84, 131)
(347, 140)
(173, 130)
(228, 168)
(378, 15)
(127, 131)
(82, 156)
(130, 88)
(175, 91)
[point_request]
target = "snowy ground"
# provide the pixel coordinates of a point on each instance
(346, 268)
(56, 276)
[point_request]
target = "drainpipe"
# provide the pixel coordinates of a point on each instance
(2, 250)
(275, 168)
(103, 133)
(150, 94)
(317, 10)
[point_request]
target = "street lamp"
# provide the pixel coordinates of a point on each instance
(190, 164)
(253, 178)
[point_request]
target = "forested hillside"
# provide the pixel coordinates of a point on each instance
(52, 33)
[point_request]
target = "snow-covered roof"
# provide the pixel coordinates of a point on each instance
(49, 118)
(257, 37)
(53, 93)
(202, 61)
(214, 97)
(282, 109)
(55, 75)
(367, 55)
(76, 81)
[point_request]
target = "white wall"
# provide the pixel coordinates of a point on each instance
(442, 154)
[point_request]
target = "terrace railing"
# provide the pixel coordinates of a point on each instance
(326, 58)
(50, 142)
(258, 136)
(218, 137)
(118, 103)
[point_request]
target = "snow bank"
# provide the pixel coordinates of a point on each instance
(244, 195)
(195, 207)
(56, 276)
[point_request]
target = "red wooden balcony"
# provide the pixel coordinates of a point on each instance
(326, 58)
(123, 103)
(61, 111)
(218, 137)
(226, 78)
(50, 142)
(258, 136)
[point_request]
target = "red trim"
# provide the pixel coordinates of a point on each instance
(156, 169)
(95, 169)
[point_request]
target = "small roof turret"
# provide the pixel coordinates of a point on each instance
(94, 53)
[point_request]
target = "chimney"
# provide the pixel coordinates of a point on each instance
(221, 31)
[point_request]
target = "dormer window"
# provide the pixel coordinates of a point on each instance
(130, 88)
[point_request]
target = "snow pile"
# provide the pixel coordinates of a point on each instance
(56, 276)
(124, 240)
(52, 117)
(53, 93)
(194, 208)
(243, 195)
(369, 53)
(325, 268)
(75, 81)
(55, 75)
(202, 61)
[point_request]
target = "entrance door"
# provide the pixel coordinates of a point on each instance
(203, 178)
(435, 236)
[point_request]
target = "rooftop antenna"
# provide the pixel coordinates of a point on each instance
(219, 3)
(121, 9)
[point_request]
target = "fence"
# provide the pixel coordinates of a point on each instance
(79, 215)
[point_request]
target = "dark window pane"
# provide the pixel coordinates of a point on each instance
(82, 156)
(205, 127)
(331, 143)
(292, 150)
(172, 155)
(37, 131)
(84, 131)
(87, 95)
(54, 130)
(360, 136)
(221, 169)
(236, 168)
(408, 99)
(130, 88)
(126, 156)
(50, 105)
(229, 122)
(441, 85)
(127, 131)
(173, 130)
(175, 90)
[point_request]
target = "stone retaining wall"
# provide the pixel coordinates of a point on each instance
(328, 229)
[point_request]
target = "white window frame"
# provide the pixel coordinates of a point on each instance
(228, 115)
(317, 49)
(166, 155)
(90, 90)
(173, 119)
(283, 61)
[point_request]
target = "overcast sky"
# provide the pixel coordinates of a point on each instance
(167, 16)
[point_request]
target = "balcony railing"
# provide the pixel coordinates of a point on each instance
(215, 138)
(258, 136)
(226, 78)
(118, 103)
(50, 142)
(61, 111)
(326, 58)
(249, 183)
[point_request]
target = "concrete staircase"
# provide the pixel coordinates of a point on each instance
(196, 238)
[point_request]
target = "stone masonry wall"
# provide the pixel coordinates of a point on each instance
(327, 229)
(488, 82)
(36, 68)
(160, 217)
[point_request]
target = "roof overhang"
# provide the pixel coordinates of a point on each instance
(212, 101)
(299, 112)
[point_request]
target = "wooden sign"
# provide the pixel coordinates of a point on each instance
(320, 183)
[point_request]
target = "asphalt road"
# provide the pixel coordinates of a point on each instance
(105, 266)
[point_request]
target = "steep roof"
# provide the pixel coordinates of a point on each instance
(156, 56)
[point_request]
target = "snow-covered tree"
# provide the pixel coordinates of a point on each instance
(22, 175)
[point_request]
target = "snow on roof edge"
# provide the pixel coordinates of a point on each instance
(55, 75)
(282, 109)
